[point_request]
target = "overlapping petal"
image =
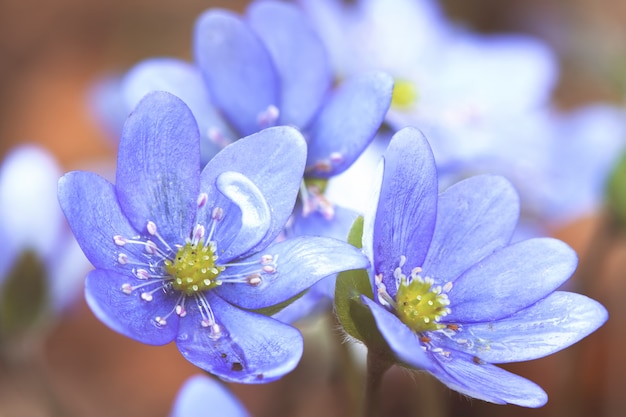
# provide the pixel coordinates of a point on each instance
(511, 279)
(273, 160)
(347, 123)
(552, 324)
(159, 166)
(402, 341)
(129, 314)
(237, 67)
(95, 217)
(185, 81)
(299, 56)
(407, 205)
(251, 349)
(470, 376)
(475, 217)
(300, 263)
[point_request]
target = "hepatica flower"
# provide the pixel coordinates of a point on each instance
(452, 295)
(186, 255)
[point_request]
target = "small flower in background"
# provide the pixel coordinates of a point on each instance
(201, 396)
(451, 294)
(186, 254)
(42, 267)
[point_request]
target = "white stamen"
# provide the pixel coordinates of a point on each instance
(142, 274)
(146, 296)
(160, 321)
(127, 288)
(122, 259)
(119, 240)
(254, 279)
(202, 199)
(152, 228)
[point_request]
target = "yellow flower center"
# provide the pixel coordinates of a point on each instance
(404, 94)
(420, 306)
(194, 269)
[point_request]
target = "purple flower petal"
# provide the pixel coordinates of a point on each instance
(299, 263)
(317, 298)
(95, 217)
(510, 280)
(470, 376)
(252, 348)
(130, 314)
(200, 393)
(407, 205)
(237, 67)
(273, 160)
(316, 224)
(552, 324)
(158, 166)
(347, 123)
(475, 217)
(299, 55)
(403, 341)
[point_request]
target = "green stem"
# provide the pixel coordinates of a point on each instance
(377, 365)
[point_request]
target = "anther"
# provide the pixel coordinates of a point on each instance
(336, 157)
(254, 279)
(127, 289)
(269, 269)
(152, 228)
(146, 296)
(217, 213)
(151, 247)
(202, 199)
(122, 259)
(180, 310)
(265, 259)
(142, 274)
(160, 321)
(119, 240)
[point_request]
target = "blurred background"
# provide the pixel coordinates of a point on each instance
(52, 53)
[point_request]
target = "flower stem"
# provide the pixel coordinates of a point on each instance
(377, 364)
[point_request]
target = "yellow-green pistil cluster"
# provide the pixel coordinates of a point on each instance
(420, 306)
(193, 268)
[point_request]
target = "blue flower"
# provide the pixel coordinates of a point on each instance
(201, 393)
(186, 254)
(453, 295)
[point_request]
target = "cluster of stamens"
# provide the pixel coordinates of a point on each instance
(189, 270)
(313, 198)
(418, 303)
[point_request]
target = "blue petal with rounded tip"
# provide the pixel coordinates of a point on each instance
(158, 167)
(300, 262)
(407, 205)
(252, 348)
(185, 81)
(347, 123)
(475, 217)
(95, 217)
(316, 224)
(510, 280)
(273, 160)
(237, 67)
(403, 341)
(129, 314)
(200, 393)
(299, 56)
(552, 324)
(470, 376)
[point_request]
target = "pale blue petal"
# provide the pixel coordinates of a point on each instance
(273, 160)
(550, 325)
(402, 341)
(299, 55)
(251, 348)
(407, 206)
(200, 393)
(299, 263)
(316, 224)
(158, 167)
(129, 314)
(475, 217)
(347, 123)
(318, 298)
(470, 376)
(185, 81)
(95, 217)
(237, 67)
(510, 280)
